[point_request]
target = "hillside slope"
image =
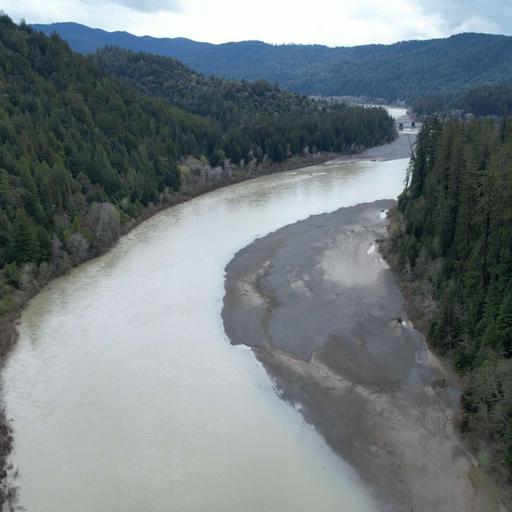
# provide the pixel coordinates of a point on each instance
(453, 242)
(256, 119)
(403, 70)
(485, 100)
(79, 144)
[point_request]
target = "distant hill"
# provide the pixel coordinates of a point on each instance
(484, 100)
(231, 103)
(403, 70)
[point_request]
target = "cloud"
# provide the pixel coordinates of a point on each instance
(107, 14)
(393, 21)
(150, 6)
(470, 15)
(335, 23)
(106, 11)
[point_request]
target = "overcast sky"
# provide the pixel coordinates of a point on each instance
(330, 22)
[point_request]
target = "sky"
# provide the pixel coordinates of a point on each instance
(329, 22)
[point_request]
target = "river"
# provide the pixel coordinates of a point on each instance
(125, 393)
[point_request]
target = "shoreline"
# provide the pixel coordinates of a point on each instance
(324, 314)
(9, 319)
(330, 327)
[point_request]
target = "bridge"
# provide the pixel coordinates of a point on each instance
(403, 123)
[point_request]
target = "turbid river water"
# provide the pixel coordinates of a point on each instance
(125, 393)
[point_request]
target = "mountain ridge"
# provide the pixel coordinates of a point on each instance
(44, 27)
(403, 70)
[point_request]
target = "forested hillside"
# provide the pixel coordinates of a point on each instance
(84, 153)
(255, 118)
(486, 100)
(222, 100)
(403, 70)
(455, 243)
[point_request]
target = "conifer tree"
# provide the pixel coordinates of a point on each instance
(25, 243)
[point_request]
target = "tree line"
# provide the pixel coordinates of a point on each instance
(486, 100)
(255, 118)
(456, 239)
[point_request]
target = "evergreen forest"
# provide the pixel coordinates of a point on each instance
(486, 100)
(454, 240)
(405, 70)
(85, 153)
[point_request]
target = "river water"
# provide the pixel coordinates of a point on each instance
(125, 393)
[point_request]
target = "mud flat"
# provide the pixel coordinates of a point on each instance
(323, 313)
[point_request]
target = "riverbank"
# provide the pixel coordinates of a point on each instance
(89, 348)
(325, 315)
(422, 308)
(8, 332)
(401, 147)
(19, 298)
